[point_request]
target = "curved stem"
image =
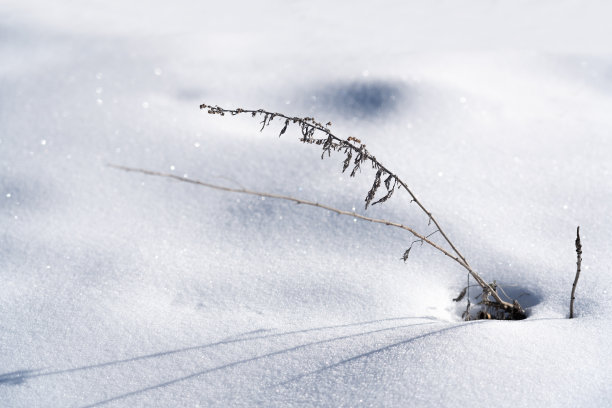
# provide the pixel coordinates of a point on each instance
(357, 149)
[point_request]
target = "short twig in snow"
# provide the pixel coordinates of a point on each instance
(578, 262)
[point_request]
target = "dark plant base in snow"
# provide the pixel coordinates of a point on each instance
(483, 307)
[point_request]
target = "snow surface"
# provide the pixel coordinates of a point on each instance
(124, 290)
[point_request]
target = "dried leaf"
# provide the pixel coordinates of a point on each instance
(354, 171)
(385, 198)
(372, 191)
(284, 129)
(461, 295)
(388, 181)
(327, 147)
(263, 123)
(406, 254)
(347, 161)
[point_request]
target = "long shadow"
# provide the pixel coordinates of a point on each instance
(376, 351)
(372, 352)
(18, 377)
(248, 360)
(15, 377)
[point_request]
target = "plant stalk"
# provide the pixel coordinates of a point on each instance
(578, 262)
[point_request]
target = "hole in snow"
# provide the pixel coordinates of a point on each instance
(527, 298)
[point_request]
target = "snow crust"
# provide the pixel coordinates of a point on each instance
(125, 290)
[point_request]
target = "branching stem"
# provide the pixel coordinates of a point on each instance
(329, 141)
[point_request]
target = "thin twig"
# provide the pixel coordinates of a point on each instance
(578, 262)
(420, 237)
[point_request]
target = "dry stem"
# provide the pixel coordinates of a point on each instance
(578, 262)
(289, 198)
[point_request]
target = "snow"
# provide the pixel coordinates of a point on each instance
(121, 289)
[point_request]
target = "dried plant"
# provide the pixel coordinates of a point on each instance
(578, 263)
(356, 155)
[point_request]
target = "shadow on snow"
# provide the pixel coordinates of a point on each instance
(20, 376)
